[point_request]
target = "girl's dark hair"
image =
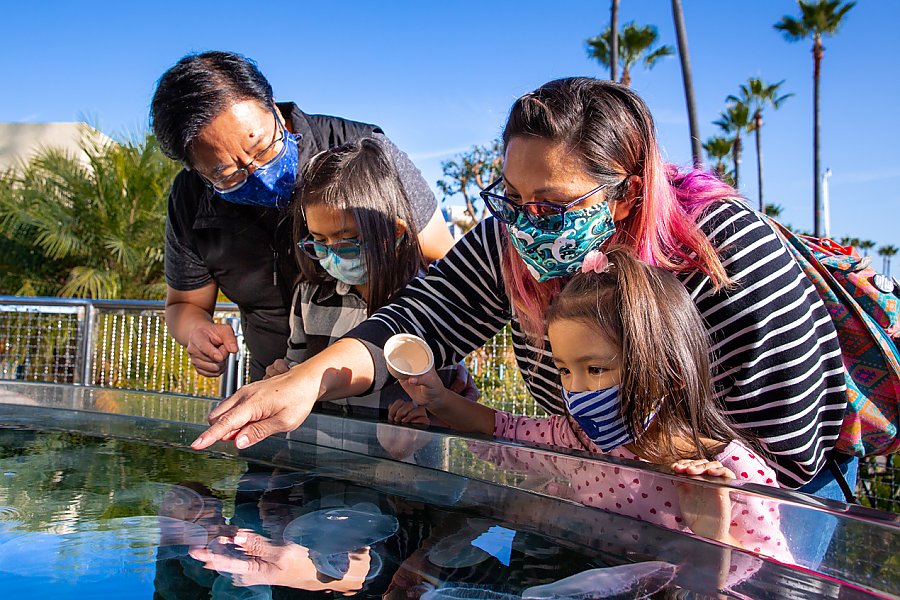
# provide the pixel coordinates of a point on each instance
(196, 90)
(361, 178)
(665, 353)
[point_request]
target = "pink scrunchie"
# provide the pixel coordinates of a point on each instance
(595, 261)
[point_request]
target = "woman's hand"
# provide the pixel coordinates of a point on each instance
(425, 389)
(262, 562)
(283, 402)
(258, 410)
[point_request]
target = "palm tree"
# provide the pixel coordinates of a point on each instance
(757, 95)
(736, 120)
(817, 19)
(687, 77)
(635, 44)
(850, 242)
(886, 252)
(614, 38)
(773, 210)
(866, 245)
(719, 148)
(95, 230)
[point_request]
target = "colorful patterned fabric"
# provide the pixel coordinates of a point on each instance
(549, 254)
(865, 308)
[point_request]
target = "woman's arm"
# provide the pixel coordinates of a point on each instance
(283, 402)
(457, 308)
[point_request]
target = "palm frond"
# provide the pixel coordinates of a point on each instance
(87, 282)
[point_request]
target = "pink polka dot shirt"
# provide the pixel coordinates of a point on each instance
(754, 522)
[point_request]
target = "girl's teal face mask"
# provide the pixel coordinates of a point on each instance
(351, 271)
(550, 254)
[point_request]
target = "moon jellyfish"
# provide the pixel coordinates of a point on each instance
(176, 501)
(337, 565)
(336, 530)
(436, 489)
(456, 551)
(261, 481)
(466, 593)
(638, 580)
(9, 517)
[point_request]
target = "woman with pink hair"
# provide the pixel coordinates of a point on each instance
(582, 169)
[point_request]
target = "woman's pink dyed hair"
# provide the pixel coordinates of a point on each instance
(611, 130)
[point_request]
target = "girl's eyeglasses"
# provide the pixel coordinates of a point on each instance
(546, 216)
(350, 248)
(264, 159)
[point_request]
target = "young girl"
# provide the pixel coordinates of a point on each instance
(357, 248)
(633, 359)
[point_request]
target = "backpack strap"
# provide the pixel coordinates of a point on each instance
(832, 465)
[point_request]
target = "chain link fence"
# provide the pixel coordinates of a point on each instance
(125, 345)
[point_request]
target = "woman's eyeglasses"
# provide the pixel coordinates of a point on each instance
(546, 216)
(264, 159)
(350, 248)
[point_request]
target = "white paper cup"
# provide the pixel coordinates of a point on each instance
(407, 356)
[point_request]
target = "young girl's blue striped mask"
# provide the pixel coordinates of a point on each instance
(598, 413)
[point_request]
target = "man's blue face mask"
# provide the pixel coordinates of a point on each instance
(272, 184)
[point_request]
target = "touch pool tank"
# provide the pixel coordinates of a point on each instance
(100, 496)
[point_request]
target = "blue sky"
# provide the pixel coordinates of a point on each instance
(440, 77)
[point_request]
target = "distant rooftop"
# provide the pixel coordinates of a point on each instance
(19, 142)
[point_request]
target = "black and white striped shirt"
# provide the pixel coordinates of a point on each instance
(777, 363)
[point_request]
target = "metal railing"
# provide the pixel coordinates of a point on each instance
(125, 344)
(108, 343)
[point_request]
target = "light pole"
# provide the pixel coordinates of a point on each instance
(826, 207)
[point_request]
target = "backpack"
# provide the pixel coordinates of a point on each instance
(865, 308)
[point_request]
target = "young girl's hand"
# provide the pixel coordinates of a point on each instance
(425, 389)
(701, 466)
(277, 368)
(407, 413)
(707, 511)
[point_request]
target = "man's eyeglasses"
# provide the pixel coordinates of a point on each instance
(262, 161)
(546, 216)
(349, 248)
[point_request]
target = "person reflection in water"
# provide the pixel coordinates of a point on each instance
(633, 359)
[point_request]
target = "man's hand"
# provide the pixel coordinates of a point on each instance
(209, 346)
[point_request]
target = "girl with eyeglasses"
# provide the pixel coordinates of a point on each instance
(583, 169)
(356, 246)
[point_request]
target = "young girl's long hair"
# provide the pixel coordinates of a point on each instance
(611, 130)
(665, 355)
(360, 178)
